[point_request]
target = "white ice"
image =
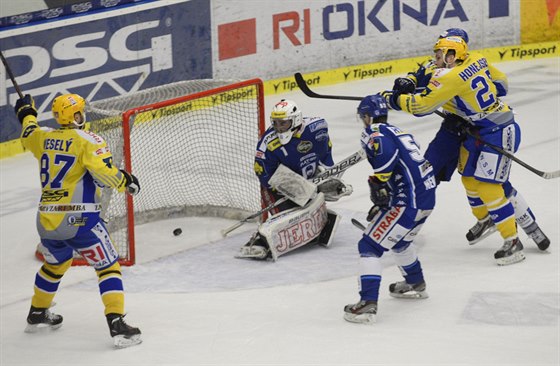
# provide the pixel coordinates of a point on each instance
(197, 305)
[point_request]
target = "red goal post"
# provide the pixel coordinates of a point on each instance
(191, 144)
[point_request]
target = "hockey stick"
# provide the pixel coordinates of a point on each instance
(358, 224)
(11, 75)
(300, 81)
(337, 170)
(238, 224)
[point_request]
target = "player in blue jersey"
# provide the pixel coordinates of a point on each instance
(402, 189)
(303, 145)
(74, 165)
(462, 84)
(443, 150)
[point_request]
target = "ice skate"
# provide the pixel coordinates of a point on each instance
(364, 312)
(404, 290)
(542, 241)
(123, 334)
(41, 318)
(256, 248)
(511, 252)
(481, 230)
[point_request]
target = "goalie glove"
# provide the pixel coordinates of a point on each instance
(131, 183)
(334, 189)
(25, 107)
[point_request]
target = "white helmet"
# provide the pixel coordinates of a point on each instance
(286, 118)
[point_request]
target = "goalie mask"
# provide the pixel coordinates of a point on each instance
(452, 49)
(286, 118)
(372, 109)
(69, 110)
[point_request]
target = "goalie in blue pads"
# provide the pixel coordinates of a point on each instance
(303, 147)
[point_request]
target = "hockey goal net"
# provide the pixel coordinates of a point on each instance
(191, 144)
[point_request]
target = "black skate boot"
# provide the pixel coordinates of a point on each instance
(362, 312)
(404, 290)
(481, 230)
(123, 334)
(511, 252)
(542, 241)
(42, 318)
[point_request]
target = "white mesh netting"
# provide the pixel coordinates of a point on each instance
(193, 156)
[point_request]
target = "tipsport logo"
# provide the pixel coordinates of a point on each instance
(93, 64)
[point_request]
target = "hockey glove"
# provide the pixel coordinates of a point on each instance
(379, 193)
(334, 189)
(373, 212)
(132, 185)
(455, 125)
(404, 86)
(25, 107)
(391, 97)
(422, 78)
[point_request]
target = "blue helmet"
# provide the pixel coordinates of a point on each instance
(374, 107)
(455, 32)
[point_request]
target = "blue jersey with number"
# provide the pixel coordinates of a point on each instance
(396, 159)
(309, 148)
(74, 165)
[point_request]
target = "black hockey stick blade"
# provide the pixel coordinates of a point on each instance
(358, 224)
(302, 84)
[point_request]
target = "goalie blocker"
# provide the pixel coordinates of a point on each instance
(292, 229)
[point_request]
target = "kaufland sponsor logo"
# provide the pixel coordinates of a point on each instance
(341, 21)
(91, 62)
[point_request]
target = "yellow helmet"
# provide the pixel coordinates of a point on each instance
(456, 44)
(65, 107)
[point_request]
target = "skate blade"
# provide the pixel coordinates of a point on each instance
(491, 230)
(121, 341)
(514, 258)
(248, 256)
(360, 318)
(410, 295)
(40, 328)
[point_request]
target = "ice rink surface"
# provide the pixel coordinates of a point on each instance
(197, 305)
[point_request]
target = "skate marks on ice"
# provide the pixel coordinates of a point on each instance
(512, 309)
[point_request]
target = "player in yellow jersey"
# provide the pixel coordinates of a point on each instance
(74, 165)
(462, 84)
(443, 151)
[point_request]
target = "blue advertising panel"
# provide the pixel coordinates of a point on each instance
(108, 57)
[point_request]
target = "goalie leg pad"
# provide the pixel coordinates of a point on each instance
(326, 237)
(295, 228)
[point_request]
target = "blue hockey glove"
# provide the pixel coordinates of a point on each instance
(25, 107)
(391, 97)
(422, 79)
(404, 86)
(379, 193)
(131, 183)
